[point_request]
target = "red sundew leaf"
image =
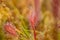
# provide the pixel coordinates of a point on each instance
(9, 28)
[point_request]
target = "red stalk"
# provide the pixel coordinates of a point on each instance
(55, 7)
(34, 16)
(33, 27)
(37, 11)
(32, 21)
(55, 13)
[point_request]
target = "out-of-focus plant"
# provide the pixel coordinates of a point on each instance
(10, 13)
